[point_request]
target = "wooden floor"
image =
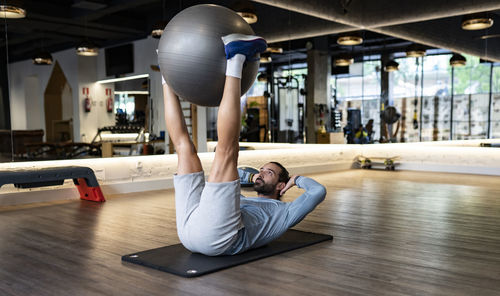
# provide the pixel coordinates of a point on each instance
(395, 233)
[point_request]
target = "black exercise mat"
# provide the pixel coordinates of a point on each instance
(178, 260)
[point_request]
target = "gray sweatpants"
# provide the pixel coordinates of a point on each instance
(207, 214)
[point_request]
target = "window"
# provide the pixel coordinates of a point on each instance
(360, 89)
(495, 103)
(474, 78)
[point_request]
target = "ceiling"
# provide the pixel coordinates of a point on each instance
(386, 25)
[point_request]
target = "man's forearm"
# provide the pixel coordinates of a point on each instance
(314, 194)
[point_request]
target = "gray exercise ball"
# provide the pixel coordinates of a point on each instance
(191, 53)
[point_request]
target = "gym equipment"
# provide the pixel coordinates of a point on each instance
(494, 145)
(290, 104)
(191, 53)
(178, 260)
(68, 150)
(367, 162)
(83, 177)
(250, 170)
(391, 115)
(353, 124)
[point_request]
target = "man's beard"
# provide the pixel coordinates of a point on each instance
(264, 188)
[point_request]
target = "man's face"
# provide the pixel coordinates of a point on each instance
(267, 179)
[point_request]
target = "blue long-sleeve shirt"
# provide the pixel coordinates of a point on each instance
(265, 219)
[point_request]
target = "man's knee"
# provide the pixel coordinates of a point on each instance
(184, 146)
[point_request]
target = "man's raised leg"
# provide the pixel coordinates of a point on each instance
(189, 180)
(228, 132)
(188, 161)
(238, 49)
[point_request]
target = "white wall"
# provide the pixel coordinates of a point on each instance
(34, 104)
(202, 129)
(28, 84)
(98, 116)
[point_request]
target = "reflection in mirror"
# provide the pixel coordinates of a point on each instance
(60, 111)
(5, 126)
(131, 132)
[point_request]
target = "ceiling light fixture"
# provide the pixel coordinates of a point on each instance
(343, 60)
(42, 58)
(262, 77)
(158, 28)
(274, 48)
(391, 66)
(87, 48)
(265, 58)
(246, 10)
(484, 37)
(12, 9)
(415, 51)
(476, 22)
(349, 39)
(458, 60)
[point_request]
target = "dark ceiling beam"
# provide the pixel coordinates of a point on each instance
(38, 28)
(372, 15)
(45, 37)
(46, 8)
(114, 6)
(277, 25)
(125, 29)
(446, 37)
(374, 49)
(305, 30)
(369, 14)
(130, 25)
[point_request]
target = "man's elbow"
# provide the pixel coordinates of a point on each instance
(321, 193)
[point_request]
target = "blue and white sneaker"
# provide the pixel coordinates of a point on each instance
(247, 45)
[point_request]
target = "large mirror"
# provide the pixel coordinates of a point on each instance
(80, 79)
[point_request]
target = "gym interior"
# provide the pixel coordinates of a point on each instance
(394, 106)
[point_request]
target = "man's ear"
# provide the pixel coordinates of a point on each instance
(280, 186)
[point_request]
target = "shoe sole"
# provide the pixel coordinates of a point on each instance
(239, 37)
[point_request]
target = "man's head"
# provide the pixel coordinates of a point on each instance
(271, 179)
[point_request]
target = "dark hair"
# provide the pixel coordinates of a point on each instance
(284, 175)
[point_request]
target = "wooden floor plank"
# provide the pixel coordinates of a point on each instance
(395, 233)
